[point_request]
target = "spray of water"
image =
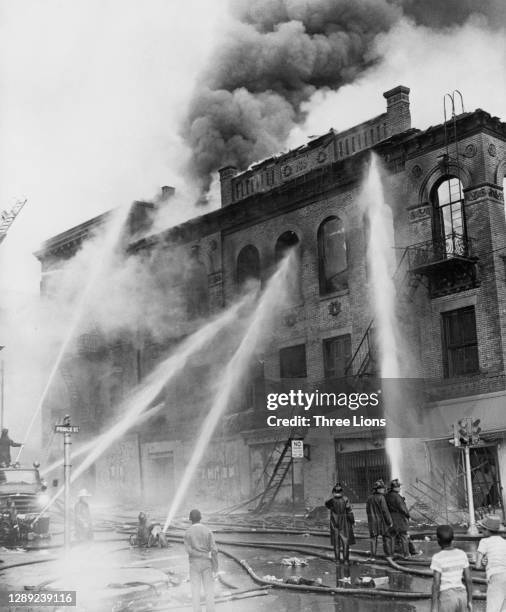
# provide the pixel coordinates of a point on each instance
(381, 266)
(274, 298)
(104, 253)
(134, 406)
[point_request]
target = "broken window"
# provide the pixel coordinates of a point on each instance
(292, 361)
(332, 256)
(248, 265)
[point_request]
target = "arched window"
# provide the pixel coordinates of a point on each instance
(248, 265)
(196, 286)
(332, 256)
(450, 204)
(286, 241)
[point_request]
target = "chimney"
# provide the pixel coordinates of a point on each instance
(398, 115)
(226, 175)
(166, 193)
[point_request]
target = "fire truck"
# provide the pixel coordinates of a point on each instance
(23, 496)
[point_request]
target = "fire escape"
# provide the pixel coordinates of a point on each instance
(283, 461)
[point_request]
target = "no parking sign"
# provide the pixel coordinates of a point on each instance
(297, 449)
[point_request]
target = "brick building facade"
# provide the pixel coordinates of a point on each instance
(445, 186)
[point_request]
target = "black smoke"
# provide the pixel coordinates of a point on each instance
(278, 53)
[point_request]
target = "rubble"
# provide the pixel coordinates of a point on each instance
(294, 561)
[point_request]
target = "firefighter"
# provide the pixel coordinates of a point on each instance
(341, 524)
(82, 517)
(141, 539)
(400, 517)
(5, 448)
(379, 519)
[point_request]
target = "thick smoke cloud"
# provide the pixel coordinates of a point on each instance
(278, 53)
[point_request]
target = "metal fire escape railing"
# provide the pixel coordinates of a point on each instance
(451, 246)
(363, 359)
(281, 469)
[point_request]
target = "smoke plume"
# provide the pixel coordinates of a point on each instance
(278, 53)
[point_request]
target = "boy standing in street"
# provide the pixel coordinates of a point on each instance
(492, 554)
(203, 556)
(450, 566)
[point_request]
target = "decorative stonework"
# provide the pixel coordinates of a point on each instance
(290, 319)
(477, 194)
(487, 191)
(470, 150)
(416, 171)
(419, 214)
(492, 150)
(334, 308)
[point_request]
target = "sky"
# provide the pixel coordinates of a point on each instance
(94, 92)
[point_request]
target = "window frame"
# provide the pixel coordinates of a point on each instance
(324, 285)
(326, 344)
(450, 362)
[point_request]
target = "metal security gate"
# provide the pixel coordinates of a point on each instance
(358, 471)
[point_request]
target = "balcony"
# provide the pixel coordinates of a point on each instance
(448, 263)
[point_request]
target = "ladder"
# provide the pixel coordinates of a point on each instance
(7, 218)
(281, 469)
(68, 377)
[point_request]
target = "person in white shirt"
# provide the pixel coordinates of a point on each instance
(203, 556)
(450, 565)
(492, 554)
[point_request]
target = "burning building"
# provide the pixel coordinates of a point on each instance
(445, 188)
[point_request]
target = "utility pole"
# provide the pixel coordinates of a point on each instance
(67, 430)
(466, 435)
(473, 530)
(2, 396)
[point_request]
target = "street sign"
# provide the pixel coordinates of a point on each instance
(66, 428)
(297, 449)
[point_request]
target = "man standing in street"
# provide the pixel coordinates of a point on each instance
(82, 517)
(400, 517)
(341, 524)
(203, 556)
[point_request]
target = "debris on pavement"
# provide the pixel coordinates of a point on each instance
(303, 581)
(270, 578)
(294, 561)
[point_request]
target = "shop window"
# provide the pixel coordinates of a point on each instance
(460, 343)
(292, 361)
(336, 356)
(332, 256)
